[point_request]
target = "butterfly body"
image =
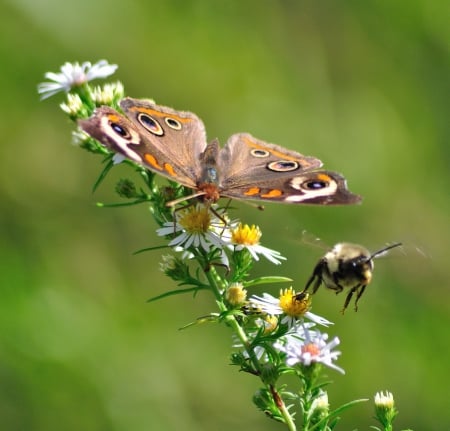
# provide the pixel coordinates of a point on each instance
(173, 144)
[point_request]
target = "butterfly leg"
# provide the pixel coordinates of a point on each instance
(218, 264)
(220, 217)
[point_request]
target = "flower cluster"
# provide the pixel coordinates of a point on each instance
(284, 326)
(201, 227)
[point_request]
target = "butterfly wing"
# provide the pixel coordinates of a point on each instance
(253, 169)
(166, 141)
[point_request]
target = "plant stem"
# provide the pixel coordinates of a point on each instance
(283, 409)
(215, 281)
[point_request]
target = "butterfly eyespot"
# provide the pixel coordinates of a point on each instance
(172, 123)
(260, 153)
(150, 124)
(283, 166)
(315, 185)
(119, 130)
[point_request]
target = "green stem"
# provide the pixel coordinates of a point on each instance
(289, 421)
(217, 283)
(215, 280)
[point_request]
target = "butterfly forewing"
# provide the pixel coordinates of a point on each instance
(176, 139)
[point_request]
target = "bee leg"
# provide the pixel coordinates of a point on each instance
(316, 275)
(361, 291)
(349, 297)
(337, 287)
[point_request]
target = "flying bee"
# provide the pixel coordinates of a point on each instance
(345, 266)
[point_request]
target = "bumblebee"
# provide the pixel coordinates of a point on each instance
(345, 266)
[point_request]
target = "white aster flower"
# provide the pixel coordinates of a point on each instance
(74, 75)
(294, 307)
(245, 236)
(313, 349)
(195, 227)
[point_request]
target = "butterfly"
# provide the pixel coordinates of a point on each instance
(173, 144)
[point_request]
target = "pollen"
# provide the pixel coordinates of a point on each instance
(294, 305)
(195, 219)
(246, 235)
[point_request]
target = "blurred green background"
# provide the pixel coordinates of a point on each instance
(361, 85)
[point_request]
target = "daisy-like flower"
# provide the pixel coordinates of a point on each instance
(313, 349)
(195, 227)
(292, 305)
(245, 236)
(74, 75)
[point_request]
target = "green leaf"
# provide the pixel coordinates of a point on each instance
(121, 204)
(178, 292)
(204, 319)
(336, 412)
(109, 164)
(266, 280)
(156, 247)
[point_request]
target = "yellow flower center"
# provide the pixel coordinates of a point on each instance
(195, 219)
(246, 235)
(294, 305)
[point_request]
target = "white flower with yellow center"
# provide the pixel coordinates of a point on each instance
(245, 236)
(294, 307)
(195, 227)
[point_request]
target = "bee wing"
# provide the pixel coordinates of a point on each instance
(310, 239)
